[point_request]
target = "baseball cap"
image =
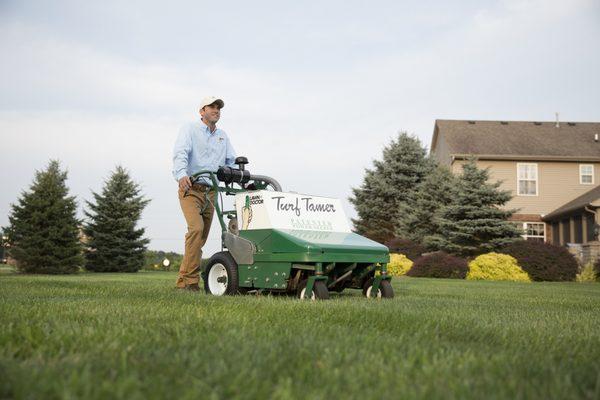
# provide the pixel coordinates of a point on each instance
(210, 100)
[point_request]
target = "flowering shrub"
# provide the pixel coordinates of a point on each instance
(399, 264)
(439, 265)
(496, 267)
(543, 261)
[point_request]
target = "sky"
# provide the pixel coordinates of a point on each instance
(313, 90)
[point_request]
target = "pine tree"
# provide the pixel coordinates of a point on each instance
(114, 244)
(474, 222)
(388, 185)
(43, 234)
(419, 216)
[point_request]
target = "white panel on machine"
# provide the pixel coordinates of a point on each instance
(264, 209)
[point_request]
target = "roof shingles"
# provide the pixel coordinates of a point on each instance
(520, 138)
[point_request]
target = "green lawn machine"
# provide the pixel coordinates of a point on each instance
(288, 242)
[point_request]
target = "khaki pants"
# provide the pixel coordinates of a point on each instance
(198, 213)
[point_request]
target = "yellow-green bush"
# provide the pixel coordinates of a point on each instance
(496, 267)
(587, 274)
(399, 264)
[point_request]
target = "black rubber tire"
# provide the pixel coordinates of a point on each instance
(366, 285)
(385, 288)
(319, 289)
(224, 258)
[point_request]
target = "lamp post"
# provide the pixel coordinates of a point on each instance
(4, 257)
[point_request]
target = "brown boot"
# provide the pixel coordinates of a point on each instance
(193, 287)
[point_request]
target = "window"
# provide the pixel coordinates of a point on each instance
(535, 231)
(527, 179)
(586, 174)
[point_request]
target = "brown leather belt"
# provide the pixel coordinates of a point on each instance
(201, 187)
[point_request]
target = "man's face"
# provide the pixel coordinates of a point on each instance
(211, 113)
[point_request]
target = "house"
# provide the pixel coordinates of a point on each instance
(551, 168)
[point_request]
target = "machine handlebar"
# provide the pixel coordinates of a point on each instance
(241, 176)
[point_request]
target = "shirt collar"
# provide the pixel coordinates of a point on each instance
(206, 129)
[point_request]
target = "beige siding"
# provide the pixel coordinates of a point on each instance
(558, 183)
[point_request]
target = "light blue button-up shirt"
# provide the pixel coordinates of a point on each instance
(197, 148)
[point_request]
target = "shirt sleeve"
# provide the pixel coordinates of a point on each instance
(181, 151)
(230, 154)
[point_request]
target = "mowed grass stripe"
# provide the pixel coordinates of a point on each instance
(134, 336)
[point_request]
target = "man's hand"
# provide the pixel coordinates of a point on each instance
(185, 184)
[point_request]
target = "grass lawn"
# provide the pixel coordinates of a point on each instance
(133, 336)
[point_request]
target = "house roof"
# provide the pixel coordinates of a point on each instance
(590, 198)
(571, 141)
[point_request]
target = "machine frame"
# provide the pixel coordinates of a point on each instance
(279, 261)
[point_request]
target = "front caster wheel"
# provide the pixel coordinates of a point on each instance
(385, 289)
(221, 275)
(319, 291)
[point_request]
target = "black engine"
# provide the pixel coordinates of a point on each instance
(230, 175)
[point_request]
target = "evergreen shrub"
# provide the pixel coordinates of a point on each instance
(387, 185)
(399, 264)
(411, 249)
(114, 242)
(43, 234)
(439, 265)
(543, 261)
(476, 221)
(420, 213)
(496, 267)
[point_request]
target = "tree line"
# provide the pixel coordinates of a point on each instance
(407, 195)
(45, 236)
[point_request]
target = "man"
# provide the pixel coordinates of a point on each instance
(199, 146)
